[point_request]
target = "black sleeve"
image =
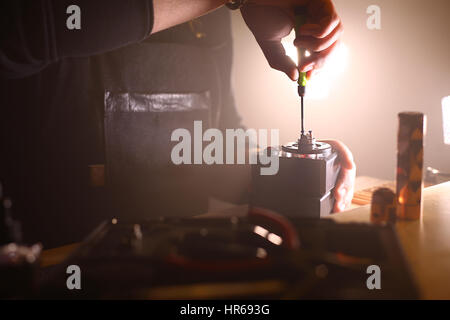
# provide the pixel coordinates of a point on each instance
(34, 33)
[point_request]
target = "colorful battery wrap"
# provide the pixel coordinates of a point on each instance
(410, 165)
(383, 208)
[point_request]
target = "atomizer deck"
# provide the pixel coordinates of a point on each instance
(307, 145)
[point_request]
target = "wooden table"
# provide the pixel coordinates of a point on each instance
(426, 242)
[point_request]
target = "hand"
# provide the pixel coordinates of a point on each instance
(345, 184)
(272, 20)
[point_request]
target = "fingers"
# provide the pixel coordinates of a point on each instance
(316, 44)
(277, 58)
(344, 190)
(317, 59)
(345, 155)
(323, 19)
(345, 183)
(269, 25)
(322, 29)
(339, 204)
(321, 37)
(270, 22)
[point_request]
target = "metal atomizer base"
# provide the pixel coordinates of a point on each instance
(304, 185)
(307, 145)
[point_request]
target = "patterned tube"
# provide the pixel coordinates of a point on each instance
(383, 208)
(410, 165)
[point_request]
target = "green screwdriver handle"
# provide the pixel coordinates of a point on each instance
(300, 19)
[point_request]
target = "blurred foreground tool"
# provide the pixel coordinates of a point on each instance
(410, 165)
(10, 230)
(18, 262)
(261, 255)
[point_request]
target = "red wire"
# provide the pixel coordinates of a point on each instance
(269, 219)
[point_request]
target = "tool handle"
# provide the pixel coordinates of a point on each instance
(300, 19)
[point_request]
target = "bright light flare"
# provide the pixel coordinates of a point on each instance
(322, 80)
(272, 237)
(261, 253)
(275, 239)
(446, 118)
(261, 231)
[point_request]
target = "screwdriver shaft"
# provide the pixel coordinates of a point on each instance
(302, 116)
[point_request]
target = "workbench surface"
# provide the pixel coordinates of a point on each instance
(426, 242)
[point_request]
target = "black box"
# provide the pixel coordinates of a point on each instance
(303, 186)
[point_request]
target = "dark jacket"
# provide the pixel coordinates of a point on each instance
(64, 113)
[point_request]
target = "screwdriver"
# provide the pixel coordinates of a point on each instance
(300, 19)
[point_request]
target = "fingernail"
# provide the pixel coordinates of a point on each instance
(308, 67)
(295, 75)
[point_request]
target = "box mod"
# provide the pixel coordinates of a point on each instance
(304, 184)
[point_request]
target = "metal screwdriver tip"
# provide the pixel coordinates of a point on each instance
(302, 116)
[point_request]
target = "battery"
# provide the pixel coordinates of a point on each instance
(383, 207)
(410, 164)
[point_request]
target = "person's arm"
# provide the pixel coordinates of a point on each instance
(34, 33)
(169, 13)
